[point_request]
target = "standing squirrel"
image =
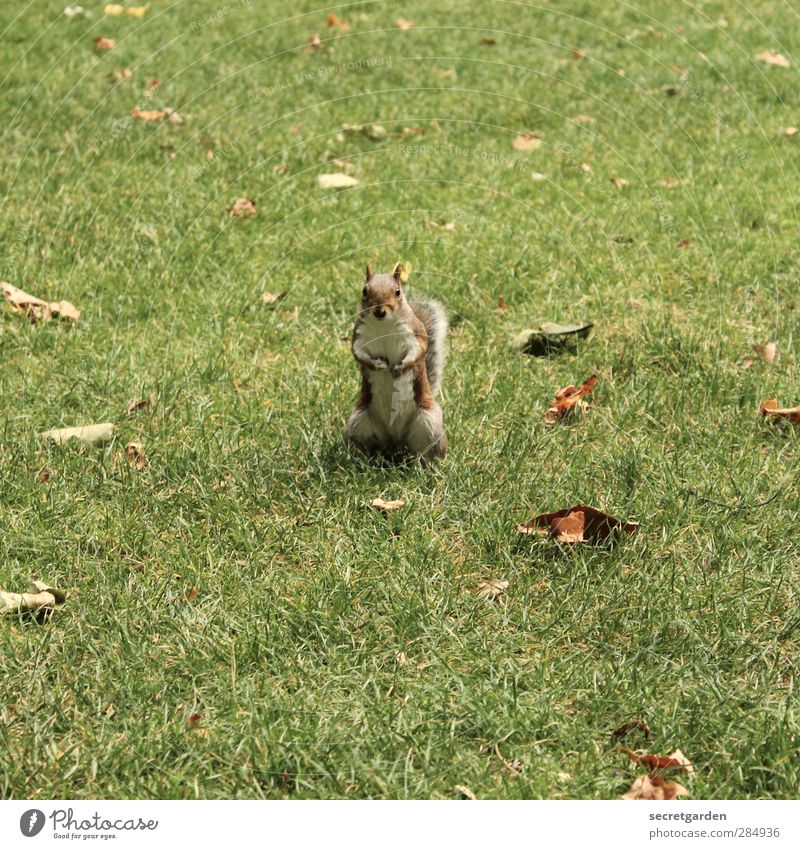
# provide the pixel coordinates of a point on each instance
(399, 345)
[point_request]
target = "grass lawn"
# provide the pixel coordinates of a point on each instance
(331, 650)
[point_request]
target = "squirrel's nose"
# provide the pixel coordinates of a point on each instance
(379, 312)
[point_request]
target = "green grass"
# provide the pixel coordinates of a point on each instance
(305, 595)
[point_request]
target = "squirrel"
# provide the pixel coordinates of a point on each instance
(399, 346)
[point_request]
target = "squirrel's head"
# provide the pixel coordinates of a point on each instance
(382, 293)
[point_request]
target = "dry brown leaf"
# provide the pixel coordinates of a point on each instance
(104, 44)
(583, 119)
(501, 302)
(619, 182)
(635, 725)
(137, 405)
(195, 719)
(526, 141)
(585, 167)
(465, 792)
(39, 597)
(243, 207)
(270, 298)
(335, 22)
(402, 23)
(148, 114)
(790, 132)
(659, 763)
(387, 506)
(492, 589)
(766, 352)
(771, 410)
(400, 658)
(172, 115)
(280, 169)
(580, 523)
(121, 74)
(192, 594)
(43, 476)
(135, 454)
(682, 761)
(771, 57)
(569, 398)
(36, 308)
(315, 42)
(655, 788)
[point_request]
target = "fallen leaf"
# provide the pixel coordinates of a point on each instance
(492, 589)
(137, 405)
(527, 141)
(465, 792)
(585, 167)
(336, 181)
(624, 729)
(195, 719)
(121, 74)
(790, 132)
(537, 176)
(269, 298)
(315, 43)
(771, 410)
(619, 182)
(72, 11)
(402, 23)
(88, 434)
(173, 116)
(43, 476)
(654, 788)
(658, 763)
(40, 596)
(36, 308)
(374, 132)
(549, 338)
(192, 594)
(335, 22)
(569, 398)
(104, 44)
(400, 658)
(580, 523)
(243, 207)
(501, 303)
(223, 484)
(280, 169)
(387, 506)
(682, 761)
(766, 352)
(148, 114)
(135, 454)
(583, 119)
(773, 58)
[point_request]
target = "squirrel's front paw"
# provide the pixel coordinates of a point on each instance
(378, 363)
(397, 370)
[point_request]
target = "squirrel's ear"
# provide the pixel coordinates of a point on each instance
(398, 272)
(369, 272)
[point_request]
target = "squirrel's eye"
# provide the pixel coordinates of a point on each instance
(397, 293)
(364, 291)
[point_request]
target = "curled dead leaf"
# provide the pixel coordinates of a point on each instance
(655, 788)
(580, 523)
(104, 44)
(402, 23)
(619, 182)
(135, 454)
(335, 22)
(36, 308)
(770, 409)
(465, 793)
(790, 132)
(569, 398)
(270, 298)
(635, 725)
(147, 114)
(243, 207)
(387, 506)
(771, 57)
(40, 596)
(766, 352)
(527, 141)
(492, 589)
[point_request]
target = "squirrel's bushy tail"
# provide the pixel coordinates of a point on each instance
(432, 315)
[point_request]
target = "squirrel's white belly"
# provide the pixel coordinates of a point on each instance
(393, 405)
